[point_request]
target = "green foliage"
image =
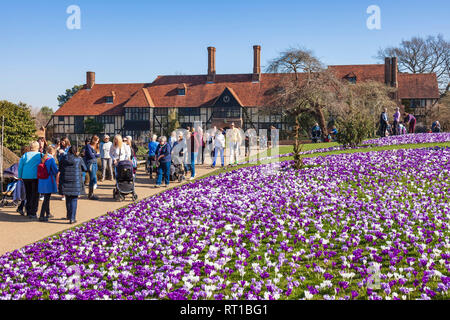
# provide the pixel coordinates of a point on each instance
(173, 122)
(354, 127)
(62, 99)
(20, 128)
(46, 111)
(93, 127)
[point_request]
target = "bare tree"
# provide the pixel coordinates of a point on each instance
(311, 89)
(420, 55)
(441, 112)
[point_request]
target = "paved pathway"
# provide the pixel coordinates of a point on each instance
(17, 231)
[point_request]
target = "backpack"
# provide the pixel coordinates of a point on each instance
(42, 172)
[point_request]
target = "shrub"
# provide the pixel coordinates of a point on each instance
(354, 128)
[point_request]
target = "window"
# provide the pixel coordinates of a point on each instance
(352, 79)
(181, 91)
(142, 114)
(109, 99)
(61, 119)
(227, 112)
(188, 111)
(105, 119)
(161, 111)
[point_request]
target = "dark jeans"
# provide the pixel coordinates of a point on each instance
(383, 128)
(412, 126)
(32, 196)
(71, 206)
(45, 209)
(395, 128)
(163, 169)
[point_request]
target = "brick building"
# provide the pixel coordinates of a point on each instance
(137, 109)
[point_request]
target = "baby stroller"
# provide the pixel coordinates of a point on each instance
(177, 172)
(124, 181)
(11, 174)
(177, 166)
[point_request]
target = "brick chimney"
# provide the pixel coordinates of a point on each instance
(90, 79)
(387, 71)
(394, 72)
(256, 63)
(211, 64)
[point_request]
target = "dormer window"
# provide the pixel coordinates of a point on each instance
(181, 90)
(352, 80)
(110, 98)
(351, 77)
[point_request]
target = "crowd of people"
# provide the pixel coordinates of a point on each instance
(386, 128)
(61, 168)
(399, 127)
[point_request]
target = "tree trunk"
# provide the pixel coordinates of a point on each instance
(298, 161)
(322, 123)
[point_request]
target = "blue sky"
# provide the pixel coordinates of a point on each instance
(134, 41)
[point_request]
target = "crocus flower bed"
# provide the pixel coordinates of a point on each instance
(410, 139)
(369, 225)
(418, 138)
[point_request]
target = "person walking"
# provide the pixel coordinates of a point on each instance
(91, 153)
(383, 123)
(410, 120)
(152, 145)
(219, 146)
(19, 192)
(105, 149)
(47, 172)
(27, 172)
(195, 146)
(163, 157)
(172, 139)
(396, 123)
(70, 183)
(118, 152)
(235, 141)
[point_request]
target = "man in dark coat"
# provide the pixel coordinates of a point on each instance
(70, 180)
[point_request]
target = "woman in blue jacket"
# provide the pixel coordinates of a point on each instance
(163, 156)
(48, 186)
(70, 183)
(28, 173)
(91, 154)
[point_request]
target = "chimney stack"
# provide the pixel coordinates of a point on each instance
(256, 63)
(394, 72)
(211, 64)
(90, 79)
(387, 71)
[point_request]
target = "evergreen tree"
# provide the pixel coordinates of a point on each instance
(20, 127)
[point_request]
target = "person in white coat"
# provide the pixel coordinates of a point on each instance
(105, 149)
(219, 146)
(119, 151)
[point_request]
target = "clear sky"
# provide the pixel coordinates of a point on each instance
(136, 40)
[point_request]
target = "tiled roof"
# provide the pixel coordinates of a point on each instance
(163, 92)
(93, 102)
(418, 86)
(363, 72)
(199, 93)
(141, 98)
